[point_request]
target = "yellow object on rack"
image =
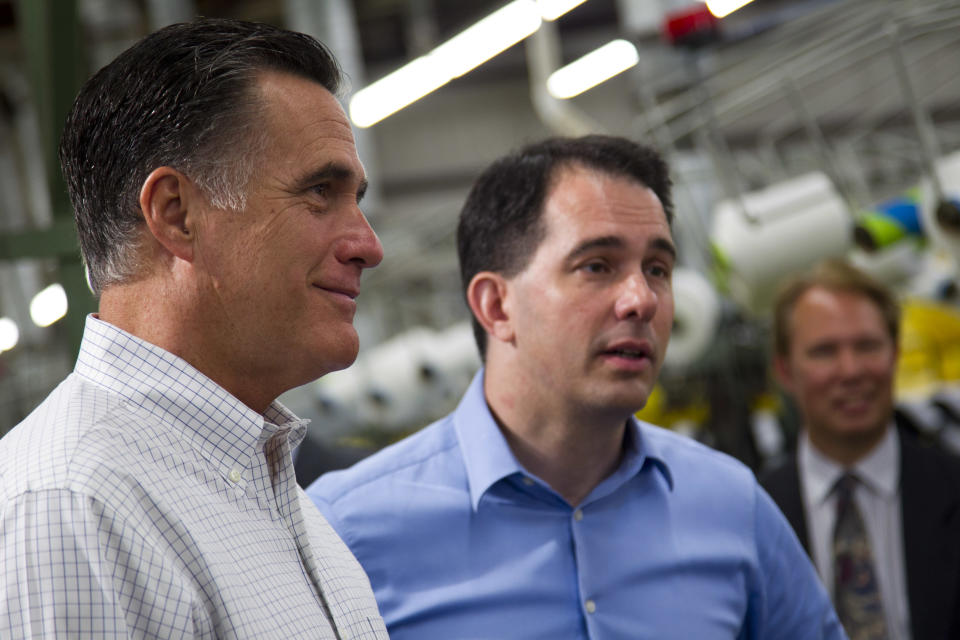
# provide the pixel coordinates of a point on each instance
(929, 347)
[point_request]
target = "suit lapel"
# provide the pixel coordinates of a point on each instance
(931, 526)
(783, 485)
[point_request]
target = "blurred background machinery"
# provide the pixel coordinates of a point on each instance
(796, 129)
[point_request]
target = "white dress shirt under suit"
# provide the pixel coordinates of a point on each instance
(878, 498)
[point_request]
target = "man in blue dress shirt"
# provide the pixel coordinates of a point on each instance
(541, 508)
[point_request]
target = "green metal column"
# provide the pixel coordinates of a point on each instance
(51, 37)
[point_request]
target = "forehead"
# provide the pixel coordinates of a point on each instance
(821, 312)
(584, 201)
(303, 120)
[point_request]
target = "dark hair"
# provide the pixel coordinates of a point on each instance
(501, 224)
(832, 274)
(182, 97)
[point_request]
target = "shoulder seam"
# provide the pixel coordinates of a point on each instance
(340, 495)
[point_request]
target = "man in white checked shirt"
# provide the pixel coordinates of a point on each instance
(216, 187)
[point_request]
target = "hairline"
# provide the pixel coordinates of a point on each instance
(560, 171)
(796, 289)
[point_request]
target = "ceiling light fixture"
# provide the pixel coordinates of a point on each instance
(721, 8)
(553, 9)
(592, 69)
(458, 55)
(48, 306)
(467, 50)
(9, 334)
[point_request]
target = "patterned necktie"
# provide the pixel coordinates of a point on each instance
(856, 593)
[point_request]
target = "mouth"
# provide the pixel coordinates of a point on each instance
(342, 297)
(629, 354)
(635, 354)
(854, 404)
(345, 291)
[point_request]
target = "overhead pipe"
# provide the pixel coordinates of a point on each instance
(818, 139)
(947, 212)
(543, 58)
(332, 22)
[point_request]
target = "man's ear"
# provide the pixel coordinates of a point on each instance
(487, 296)
(168, 202)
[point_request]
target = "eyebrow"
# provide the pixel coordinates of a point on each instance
(660, 243)
(336, 172)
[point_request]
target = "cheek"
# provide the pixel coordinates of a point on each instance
(539, 308)
(885, 367)
(662, 323)
(664, 317)
(814, 379)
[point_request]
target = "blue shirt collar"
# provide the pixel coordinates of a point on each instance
(488, 458)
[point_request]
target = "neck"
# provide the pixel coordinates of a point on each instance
(572, 452)
(161, 311)
(145, 309)
(849, 450)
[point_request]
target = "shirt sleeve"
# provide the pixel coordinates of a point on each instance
(69, 567)
(789, 603)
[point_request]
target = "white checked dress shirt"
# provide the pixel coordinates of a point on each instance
(141, 500)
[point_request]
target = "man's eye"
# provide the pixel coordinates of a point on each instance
(869, 346)
(321, 190)
(595, 267)
(659, 271)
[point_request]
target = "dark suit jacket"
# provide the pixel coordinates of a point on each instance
(930, 495)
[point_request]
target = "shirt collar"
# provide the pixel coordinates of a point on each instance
(879, 471)
(220, 426)
(489, 459)
(486, 455)
(642, 449)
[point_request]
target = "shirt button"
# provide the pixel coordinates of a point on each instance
(578, 515)
(591, 606)
(234, 476)
(528, 482)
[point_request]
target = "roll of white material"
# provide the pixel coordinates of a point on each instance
(456, 351)
(893, 265)
(395, 389)
(795, 223)
(948, 170)
(450, 363)
(399, 384)
(695, 318)
(337, 396)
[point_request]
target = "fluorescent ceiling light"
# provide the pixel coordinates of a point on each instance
(553, 9)
(592, 69)
(721, 8)
(496, 33)
(9, 334)
(48, 306)
(458, 55)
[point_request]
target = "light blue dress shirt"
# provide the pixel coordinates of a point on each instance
(461, 542)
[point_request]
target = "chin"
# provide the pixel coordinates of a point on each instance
(342, 360)
(863, 431)
(629, 402)
(334, 356)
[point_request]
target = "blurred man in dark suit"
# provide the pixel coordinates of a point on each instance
(878, 512)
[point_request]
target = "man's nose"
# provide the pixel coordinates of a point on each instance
(362, 245)
(636, 298)
(848, 363)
